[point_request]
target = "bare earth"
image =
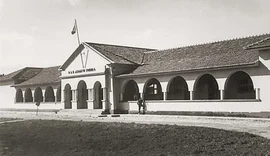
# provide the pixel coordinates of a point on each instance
(258, 126)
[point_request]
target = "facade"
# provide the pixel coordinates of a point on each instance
(223, 76)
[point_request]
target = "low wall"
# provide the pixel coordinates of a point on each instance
(202, 105)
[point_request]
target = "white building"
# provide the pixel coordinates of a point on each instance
(223, 76)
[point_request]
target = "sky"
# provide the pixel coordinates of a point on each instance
(37, 33)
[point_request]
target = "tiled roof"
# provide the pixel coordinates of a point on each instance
(48, 75)
(22, 74)
(205, 56)
(260, 44)
(120, 54)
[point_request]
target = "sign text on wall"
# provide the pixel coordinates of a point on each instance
(82, 71)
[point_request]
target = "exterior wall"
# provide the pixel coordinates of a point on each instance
(99, 72)
(7, 95)
(260, 76)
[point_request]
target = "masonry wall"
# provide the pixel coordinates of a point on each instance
(7, 95)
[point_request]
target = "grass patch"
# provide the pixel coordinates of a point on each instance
(42, 138)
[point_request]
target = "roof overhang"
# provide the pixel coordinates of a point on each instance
(252, 64)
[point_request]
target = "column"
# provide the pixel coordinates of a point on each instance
(191, 94)
(221, 94)
(23, 92)
(90, 104)
(33, 95)
(257, 91)
(74, 99)
(43, 92)
(165, 96)
(142, 95)
(55, 95)
(104, 101)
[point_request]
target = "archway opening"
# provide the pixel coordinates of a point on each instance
(28, 95)
(67, 97)
(98, 95)
(178, 89)
(19, 96)
(131, 91)
(58, 94)
(38, 95)
(82, 95)
(49, 94)
(239, 86)
(206, 88)
(152, 90)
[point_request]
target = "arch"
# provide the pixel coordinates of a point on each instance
(67, 96)
(131, 91)
(82, 95)
(152, 90)
(98, 95)
(49, 94)
(28, 95)
(38, 95)
(58, 94)
(178, 89)
(239, 85)
(19, 95)
(206, 88)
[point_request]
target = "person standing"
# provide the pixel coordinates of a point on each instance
(140, 104)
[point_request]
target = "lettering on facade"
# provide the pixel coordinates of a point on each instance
(82, 71)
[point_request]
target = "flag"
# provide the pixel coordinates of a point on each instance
(74, 30)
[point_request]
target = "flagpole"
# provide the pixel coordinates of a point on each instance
(77, 32)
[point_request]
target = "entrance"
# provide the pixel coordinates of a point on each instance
(68, 96)
(82, 95)
(98, 95)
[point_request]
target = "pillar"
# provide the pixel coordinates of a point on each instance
(55, 95)
(165, 96)
(257, 91)
(43, 92)
(33, 95)
(74, 99)
(104, 101)
(221, 94)
(191, 94)
(142, 95)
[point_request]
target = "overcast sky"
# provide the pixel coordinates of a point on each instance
(38, 32)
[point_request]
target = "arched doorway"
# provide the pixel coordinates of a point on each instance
(28, 95)
(82, 95)
(98, 95)
(178, 89)
(239, 86)
(49, 95)
(131, 91)
(58, 94)
(19, 96)
(38, 95)
(68, 97)
(206, 88)
(152, 90)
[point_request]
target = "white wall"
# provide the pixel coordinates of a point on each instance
(7, 95)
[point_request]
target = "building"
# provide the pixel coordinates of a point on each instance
(224, 76)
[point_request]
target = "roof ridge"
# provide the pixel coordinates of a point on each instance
(120, 45)
(212, 42)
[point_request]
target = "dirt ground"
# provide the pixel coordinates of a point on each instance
(54, 137)
(257, 126)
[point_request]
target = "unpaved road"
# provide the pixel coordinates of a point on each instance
(258, 126)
